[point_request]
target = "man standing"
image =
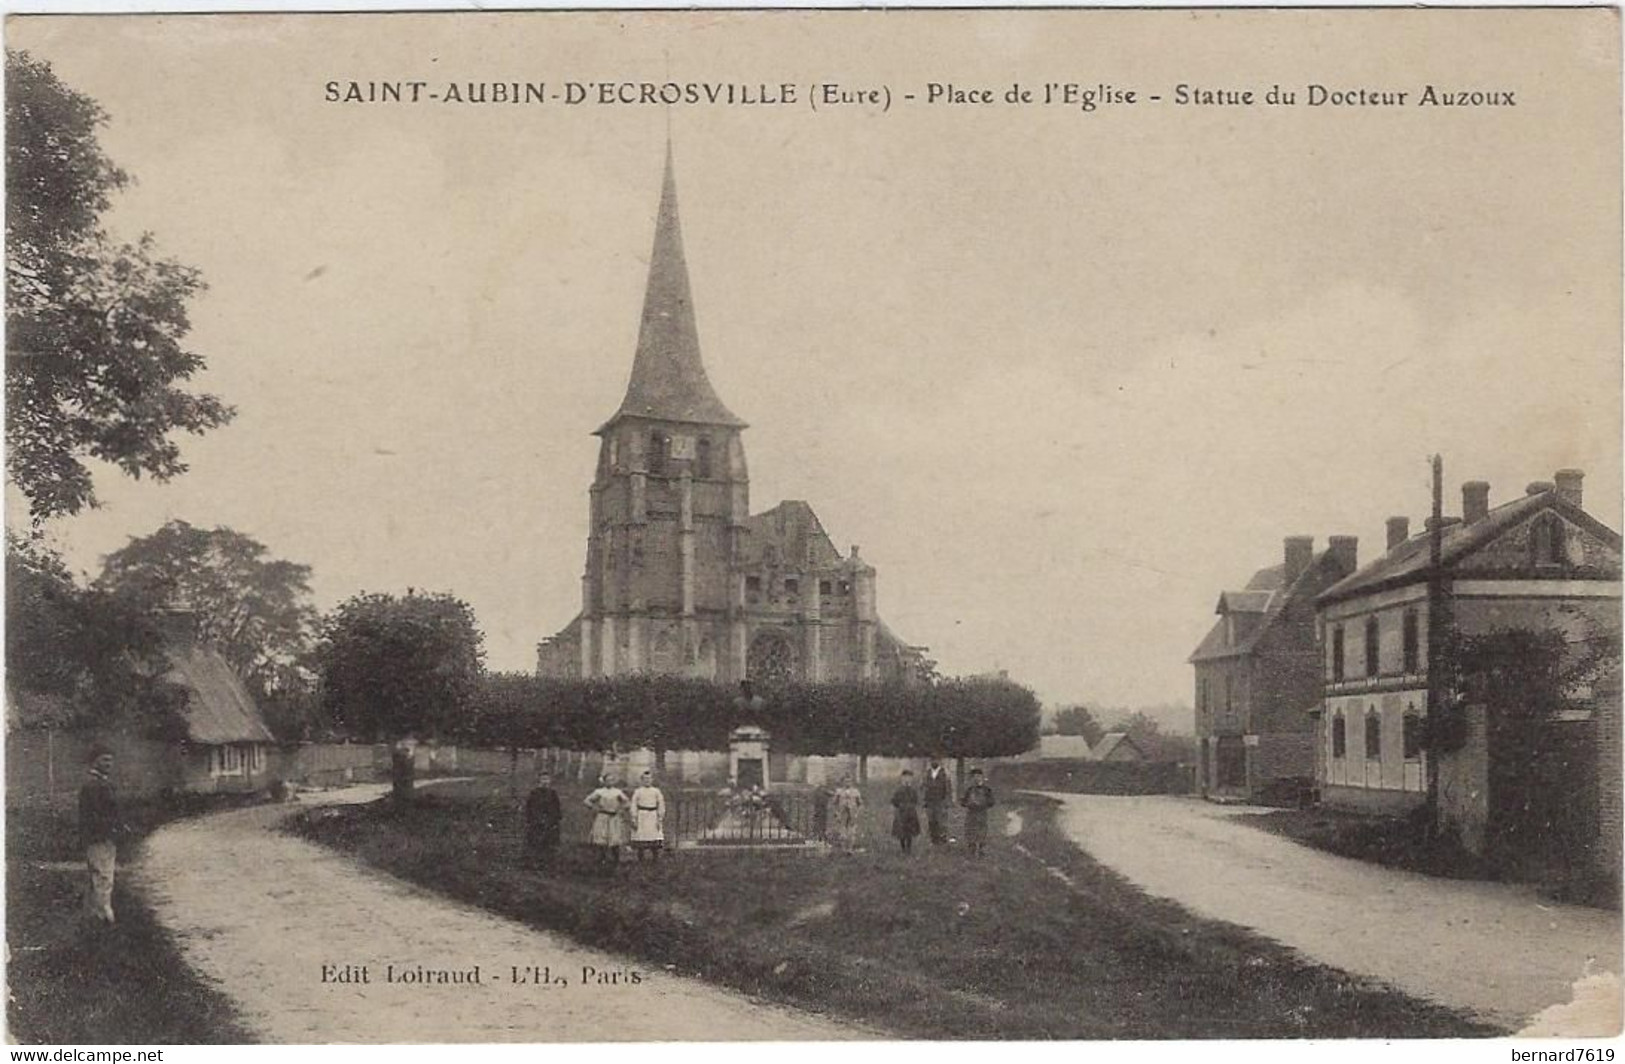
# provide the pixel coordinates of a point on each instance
(648, 818)
(99, 829)
(542, 819)
(938, 795)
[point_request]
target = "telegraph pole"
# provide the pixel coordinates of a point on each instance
(1436, 629)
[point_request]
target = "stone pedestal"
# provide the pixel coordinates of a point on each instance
(747, 758)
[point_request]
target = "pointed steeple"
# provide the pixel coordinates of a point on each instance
(668, 379)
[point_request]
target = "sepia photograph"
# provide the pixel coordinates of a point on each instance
(805, 526)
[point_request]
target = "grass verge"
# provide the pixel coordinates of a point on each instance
(936, 945)
(71, 984)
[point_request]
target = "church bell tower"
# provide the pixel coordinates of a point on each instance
(668, 505)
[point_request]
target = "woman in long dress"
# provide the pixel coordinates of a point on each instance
(906, 818)
(845, 809)
(608, 832)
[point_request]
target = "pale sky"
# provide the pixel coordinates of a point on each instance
(1063, 376)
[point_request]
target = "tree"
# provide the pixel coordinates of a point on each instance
(255, 609)
(81, 657)
(1078, 720)
(394, 668)
(94, 329)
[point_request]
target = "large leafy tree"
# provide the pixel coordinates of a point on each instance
(77, 656)
(254, 608)
(94, 329)
(394, 667)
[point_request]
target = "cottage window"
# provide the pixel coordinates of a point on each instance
(753, 583)
(1373, 646)
(1413, 734)
(823, 587)
(1373, 735)
(1413, 656)
(705, 456)
(225, 761)
(1340, 738)
(792, 586)
(1337, 653)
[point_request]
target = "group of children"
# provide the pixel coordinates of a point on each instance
(618, 818)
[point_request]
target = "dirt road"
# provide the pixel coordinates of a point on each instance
(286, 929)
(1497, 950)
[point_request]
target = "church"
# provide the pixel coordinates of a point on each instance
(681, 578)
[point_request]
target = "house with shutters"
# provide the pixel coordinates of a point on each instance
(1537, 563)
(1258, 675)
(681, 578)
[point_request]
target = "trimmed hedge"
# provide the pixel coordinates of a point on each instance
(954, 718)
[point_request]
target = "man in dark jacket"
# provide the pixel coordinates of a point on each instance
(99, 831)
(937, 795)
(542, 819)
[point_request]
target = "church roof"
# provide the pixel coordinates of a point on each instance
(668, 379)
(796, 535)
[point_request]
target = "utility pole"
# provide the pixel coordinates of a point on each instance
(1436, 628)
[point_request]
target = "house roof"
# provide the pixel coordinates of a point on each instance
(668, 379)
(1263, 601)
(1408, 562)
(1111, 741)
(1068, 747)
(219, 708)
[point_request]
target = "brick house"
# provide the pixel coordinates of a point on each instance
(1538, 563)
(1258, 673)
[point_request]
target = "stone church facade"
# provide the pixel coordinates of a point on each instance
(681, 578)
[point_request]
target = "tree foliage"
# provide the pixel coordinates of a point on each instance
(1078, 720)
(955, 718)
(81, 657)
(396, 666)
(94, 329)
(255, 609)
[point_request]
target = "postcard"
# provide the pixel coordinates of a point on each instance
(1086, 525)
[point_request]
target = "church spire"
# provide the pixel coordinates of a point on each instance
(668, 379)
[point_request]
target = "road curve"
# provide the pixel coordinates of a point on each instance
(261, 913)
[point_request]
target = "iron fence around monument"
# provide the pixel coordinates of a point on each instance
(726, 819)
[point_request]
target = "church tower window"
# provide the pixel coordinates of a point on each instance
(657, 453)
(705, 457)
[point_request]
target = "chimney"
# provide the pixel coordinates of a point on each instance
(1300, 550)
(1399, 530)
(1568, 485)
(1475, 500)
(1346, 549)
(1539, 486)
